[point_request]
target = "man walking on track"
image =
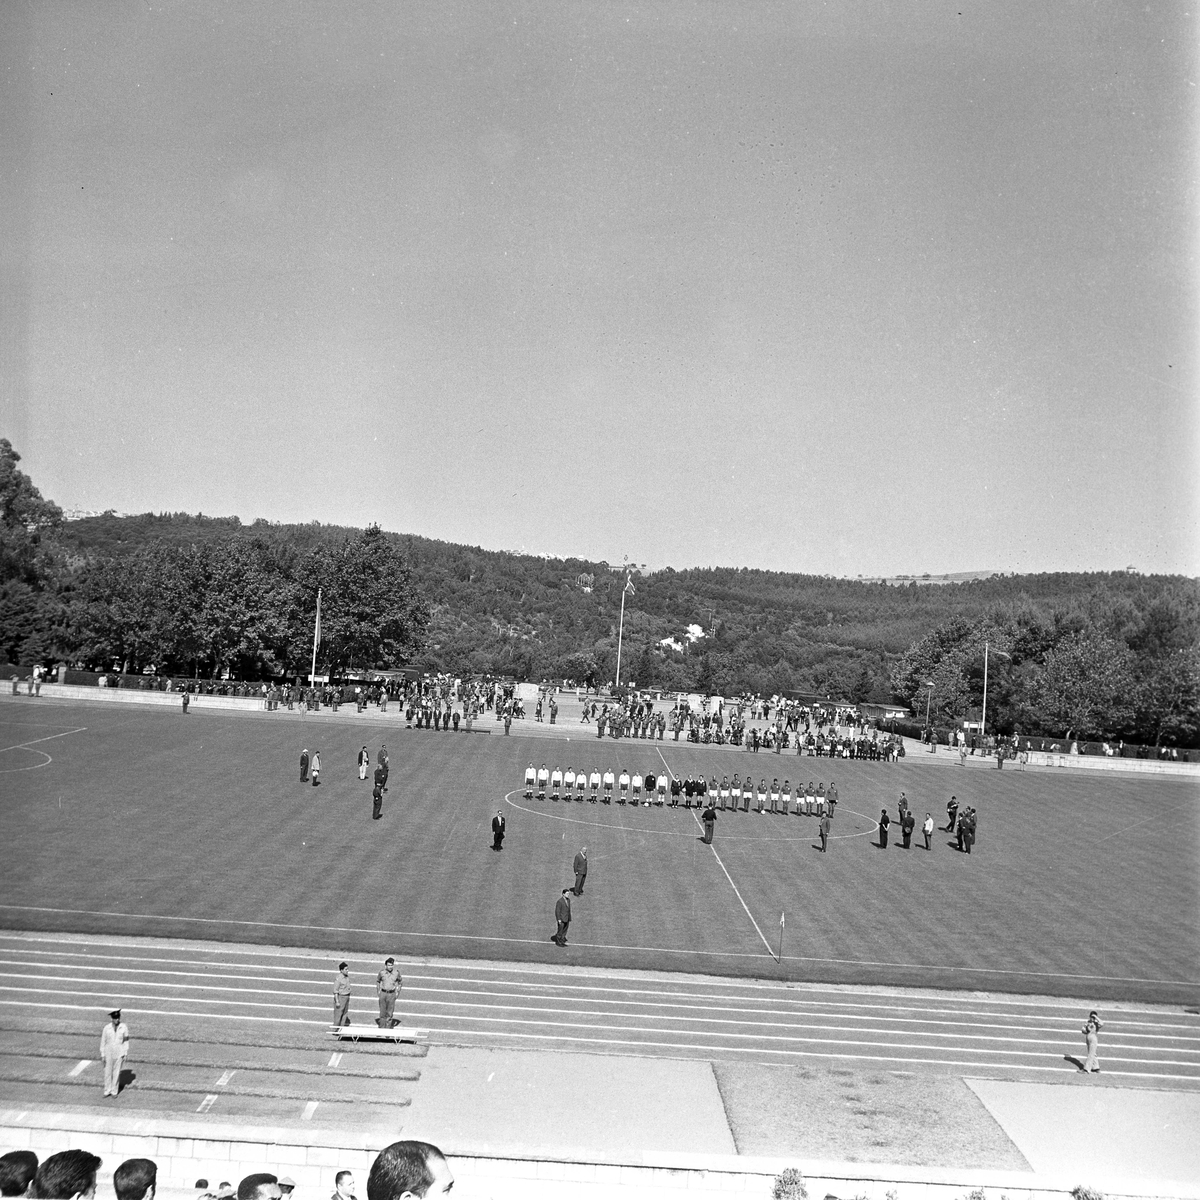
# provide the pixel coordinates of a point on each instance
(562, 914)
(114, 1046)
(580, 866)
(341, 996)
(387, 983)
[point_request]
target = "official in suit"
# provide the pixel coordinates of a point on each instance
(562, 914)
(580, 866)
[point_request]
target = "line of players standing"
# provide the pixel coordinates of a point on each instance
(637, 790)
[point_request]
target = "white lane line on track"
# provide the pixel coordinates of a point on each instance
(309, 1109)
(681, 1010)
(1047, 1046)
(663, 998)
(756, 955)
(225, 1078)
(335, 1059)
(703, 1050)
(784, 991)
(207, 1103)
(79, 1068)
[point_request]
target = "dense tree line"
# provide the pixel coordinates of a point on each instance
(1108, 654)
(229, 600)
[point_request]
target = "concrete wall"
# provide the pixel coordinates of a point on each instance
(189, 1150)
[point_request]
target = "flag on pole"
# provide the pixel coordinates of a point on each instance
(317, 627)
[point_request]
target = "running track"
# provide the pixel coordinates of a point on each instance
(172, 984)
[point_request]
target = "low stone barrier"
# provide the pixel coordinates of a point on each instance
(189, 1150)
(74, 691)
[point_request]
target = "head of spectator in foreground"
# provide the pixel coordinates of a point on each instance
(403, 1169)
(343, 1185)
(261, 1186)
(17, 1169)
(136, 1179)
(67, 1176)
(287, 1185)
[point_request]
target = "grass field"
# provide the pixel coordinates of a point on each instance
(149, 822)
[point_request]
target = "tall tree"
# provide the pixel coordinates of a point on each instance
(372, 614)
(1086, 687)
(27, 523)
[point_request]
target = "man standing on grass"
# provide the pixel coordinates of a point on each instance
(304, 765)
(387, 983)
(826, 825)
(580, 867)
(498, 824)
(562, 914)
(927, 829)
(364, 761)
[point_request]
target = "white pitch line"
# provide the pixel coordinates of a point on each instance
(722, 866)
(79, 1068)
(472, 937)
(309, 1109)
(48, 738)
(225, 1078)
(335, 1059)
(207, 1103)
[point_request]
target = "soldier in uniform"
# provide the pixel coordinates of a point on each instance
(387, 983)
(341, 996)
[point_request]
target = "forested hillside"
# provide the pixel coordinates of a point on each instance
(1100, 654)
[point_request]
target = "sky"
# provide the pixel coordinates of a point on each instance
(839, 288)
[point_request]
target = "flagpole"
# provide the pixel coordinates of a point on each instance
(312, 676)
(620, 633)
(779, 957)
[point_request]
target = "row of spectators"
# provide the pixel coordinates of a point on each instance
(403, 1169)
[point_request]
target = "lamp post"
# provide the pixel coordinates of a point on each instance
(928, 701)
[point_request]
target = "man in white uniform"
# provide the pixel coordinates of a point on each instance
(114, 1047)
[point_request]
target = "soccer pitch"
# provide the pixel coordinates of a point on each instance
(141, 821)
